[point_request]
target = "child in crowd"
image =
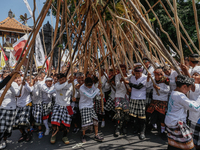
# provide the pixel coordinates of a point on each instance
(158, 105)
(88, 115)
(121, 102)
(75, 104)
(47, 90)
(8, 111)
(62, 110)
(24, 105)
(179, 135)
(138, 101)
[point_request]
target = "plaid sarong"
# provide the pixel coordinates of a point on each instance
(110, 105)
(7, 118)
(195, 129)
(137, 108)
(61, 114)
(46, 110)
(180, 136)
(87, 116)
(98, 105)
(23, 115)
(37, 113)
(157, 105)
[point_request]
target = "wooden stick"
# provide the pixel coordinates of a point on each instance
(196, 21)
(27, 51)
(178, 32)
(171, 7)
(70, 48)
(164, 50)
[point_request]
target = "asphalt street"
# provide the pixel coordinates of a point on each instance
(129, 142)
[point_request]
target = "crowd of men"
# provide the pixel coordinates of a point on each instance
(157, 97)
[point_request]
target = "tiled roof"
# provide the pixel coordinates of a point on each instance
(12, 25)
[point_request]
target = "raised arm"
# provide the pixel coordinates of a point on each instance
(59, 86)
(47, 90)
(92, 95)
(190, 105)
(15, 89)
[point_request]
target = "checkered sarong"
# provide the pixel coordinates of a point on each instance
(37, 113)
(137, 108)
(61, 114)
(87, 116)
(179, 136)
(7, 118)
(98, 105)
(46, 110)
(23, 115)
(195, 129)
(110, 104)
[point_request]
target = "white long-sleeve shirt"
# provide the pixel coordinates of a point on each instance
(9, 101)
(63, 93)
(193, 115)
(172, 78)
(139, 93)
(178, 106)
(86, 96)
(25, 95)
(120, 86)
(36, 93)
(164, 90)
(47, 93)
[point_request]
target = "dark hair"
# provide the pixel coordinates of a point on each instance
(122, 66)
(88, 81)
(158, 68)
(194, 55)
(95, 79)
(195, 62)
(145, 58)
(184, 80)
(60, 75)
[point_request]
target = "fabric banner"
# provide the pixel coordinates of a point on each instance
(3, 63)
(40, 57)
(12, 60)
(19, 45)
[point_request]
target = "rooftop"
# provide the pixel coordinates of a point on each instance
(10, 24)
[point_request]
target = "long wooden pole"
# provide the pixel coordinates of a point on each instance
(196, 21)
(178, 31)
(27, 51)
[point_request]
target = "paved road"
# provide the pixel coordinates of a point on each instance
(130, 142)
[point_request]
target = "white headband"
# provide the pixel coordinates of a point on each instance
(48, 79)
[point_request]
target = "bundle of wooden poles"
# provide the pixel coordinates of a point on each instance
(126, 36)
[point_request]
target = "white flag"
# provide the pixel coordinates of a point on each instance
(173, 53)
(12, 60)
(40, 57)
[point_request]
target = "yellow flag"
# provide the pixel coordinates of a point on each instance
(3, 63)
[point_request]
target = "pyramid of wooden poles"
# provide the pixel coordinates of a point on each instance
(107, 35)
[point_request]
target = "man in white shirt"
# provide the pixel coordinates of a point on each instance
(121, 101)
(8, 112)
(171, 74)
(88, 116)
(158, 105)
(24, 104)
(193, 62)
(47, 90)
(138, 101)
(62, 110)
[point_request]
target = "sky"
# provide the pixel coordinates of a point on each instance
(18, 7)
